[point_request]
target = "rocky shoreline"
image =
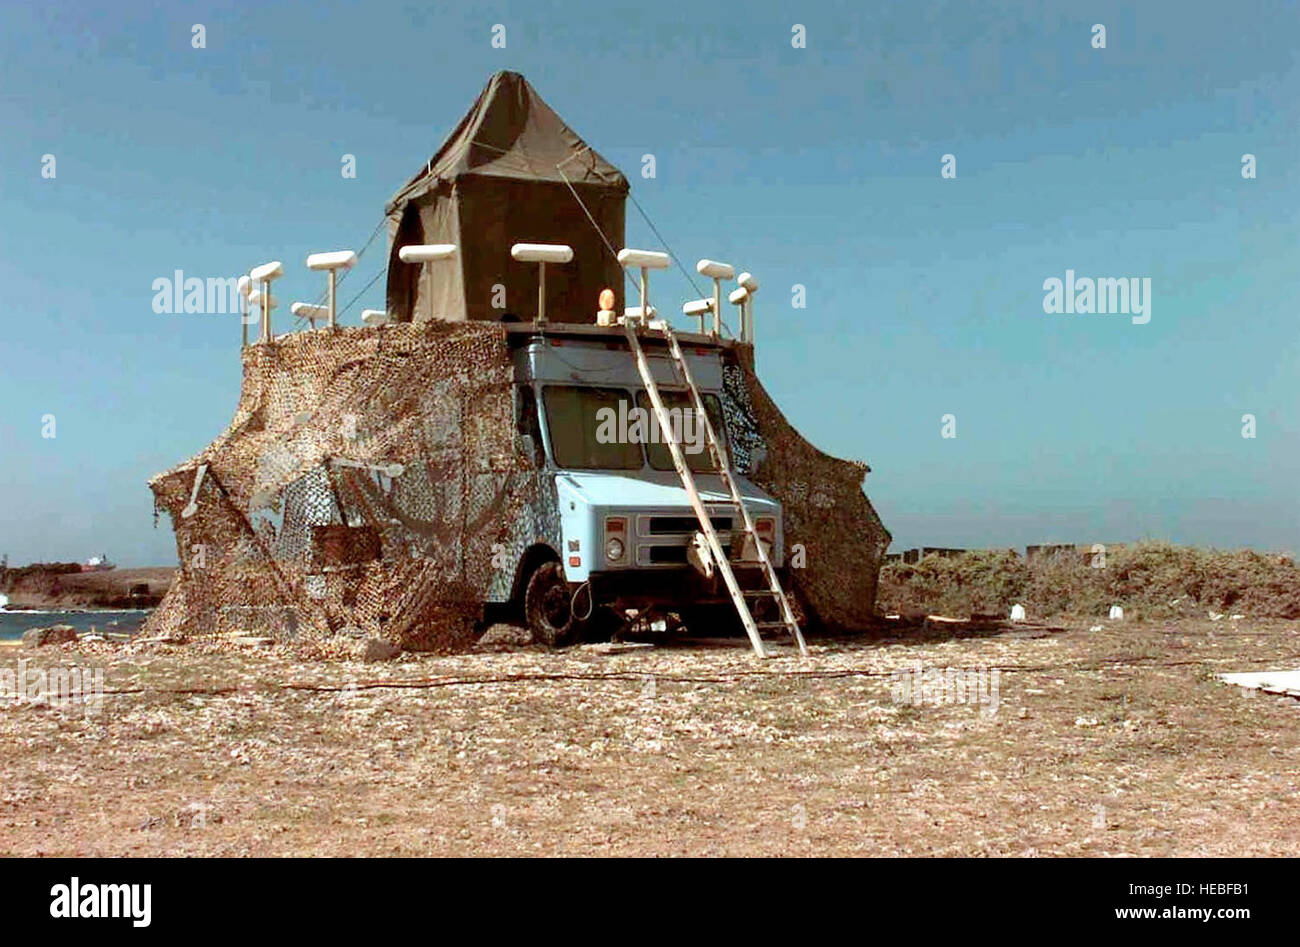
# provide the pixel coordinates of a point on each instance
(54, 587)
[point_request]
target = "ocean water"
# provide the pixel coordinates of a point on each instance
(14, 623)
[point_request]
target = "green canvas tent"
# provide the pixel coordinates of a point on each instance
(511, 172)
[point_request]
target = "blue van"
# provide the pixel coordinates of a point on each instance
(622, 533)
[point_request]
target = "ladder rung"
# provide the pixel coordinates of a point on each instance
(758, 593)
(772, 624)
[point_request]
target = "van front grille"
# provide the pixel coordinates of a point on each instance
(663, 555)
(684, 525)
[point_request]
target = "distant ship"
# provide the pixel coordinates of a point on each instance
(98, 563)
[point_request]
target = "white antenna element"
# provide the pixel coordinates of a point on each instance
(264, 274)
(699, 308)
(245, 287)
(737, 299)
(717, 272)
(750, 285)
(427, 252)
(374, 317)
(335, 259)
(332, 262)
(423, 253)
(541, 254)
(645, 261)
(636, 312)
(312, 313)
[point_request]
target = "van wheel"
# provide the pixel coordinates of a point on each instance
(546, 606)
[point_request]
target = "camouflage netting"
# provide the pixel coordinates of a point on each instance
(824, 507)
(303, 526)
(370, 485)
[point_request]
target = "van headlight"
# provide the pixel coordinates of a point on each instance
(614, 549)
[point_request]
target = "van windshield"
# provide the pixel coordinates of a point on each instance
(689, 433)
(573, 415)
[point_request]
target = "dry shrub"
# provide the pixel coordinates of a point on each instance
(980, 581)
(1149, 579)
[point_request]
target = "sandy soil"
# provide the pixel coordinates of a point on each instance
(1114, 742)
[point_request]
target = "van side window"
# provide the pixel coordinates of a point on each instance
(526, 422)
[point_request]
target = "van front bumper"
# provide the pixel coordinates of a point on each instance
(667, 588)
(671, 588)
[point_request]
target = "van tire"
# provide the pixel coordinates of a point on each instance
(547, 606)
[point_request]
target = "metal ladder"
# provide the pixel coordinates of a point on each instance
(722, 462)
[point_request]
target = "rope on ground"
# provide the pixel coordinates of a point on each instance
(729, 677)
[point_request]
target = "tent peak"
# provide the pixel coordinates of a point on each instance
(510, 132)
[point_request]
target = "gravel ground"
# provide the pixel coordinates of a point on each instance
(1110, 742)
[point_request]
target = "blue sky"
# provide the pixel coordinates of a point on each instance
(818, 166)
